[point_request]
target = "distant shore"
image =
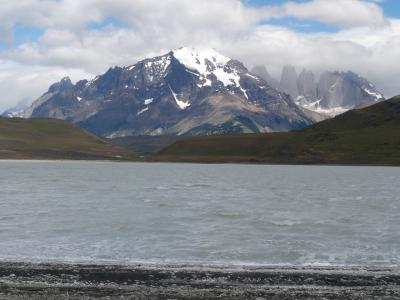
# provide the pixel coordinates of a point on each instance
(74, 281)
(169, 160)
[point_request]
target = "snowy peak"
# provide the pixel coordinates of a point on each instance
(213, 69)
(200, 60)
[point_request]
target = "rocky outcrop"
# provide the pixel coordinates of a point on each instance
(288, 83)
(306, 84)
(345, 89)
(261, 71)
(334, 93)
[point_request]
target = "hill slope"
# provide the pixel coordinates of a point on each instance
(364, 136)
(53, 139)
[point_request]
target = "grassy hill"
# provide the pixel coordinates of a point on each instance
(365, 136)
(53, 139)
(145, 144)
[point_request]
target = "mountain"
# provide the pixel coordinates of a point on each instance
(15, 112)
(289, 82)
(367, 136)
(332, 94)
(345, 90)
(53, 139)
(261, 71)
(306, 85)
(184, 92)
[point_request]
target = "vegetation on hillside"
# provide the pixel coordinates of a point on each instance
(53, 139)
(365, 136)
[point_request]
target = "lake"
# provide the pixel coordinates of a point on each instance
(127, 213)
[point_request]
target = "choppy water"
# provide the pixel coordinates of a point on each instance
(209, 214)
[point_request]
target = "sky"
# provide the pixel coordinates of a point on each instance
(42, 41)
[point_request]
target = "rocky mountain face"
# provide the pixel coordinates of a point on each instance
(289, 81)
(306, 85)
(346, 90)
(184, 92)
(261, 71)
(333, 94)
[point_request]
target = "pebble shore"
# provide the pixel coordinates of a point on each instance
(78, 281)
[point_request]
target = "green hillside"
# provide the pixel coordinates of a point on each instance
(366, 136)
(145, 143)
(53, 139)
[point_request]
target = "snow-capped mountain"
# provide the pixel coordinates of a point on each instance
(186, 91)
(15, 112)
(334, 93)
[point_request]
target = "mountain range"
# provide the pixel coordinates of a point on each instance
(184, 92)
(198, 92)
(332, 94)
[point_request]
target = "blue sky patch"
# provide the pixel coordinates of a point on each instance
(24, 34)
(391, 7)
(301, 25)
(104, 23)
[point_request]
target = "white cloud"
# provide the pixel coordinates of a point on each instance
(19, 83)
(371, 52)
(342, 13)
(368, 43)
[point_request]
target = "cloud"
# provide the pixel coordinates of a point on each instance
(371, 52)
(22, 84)
(341, 13)
(367, 43)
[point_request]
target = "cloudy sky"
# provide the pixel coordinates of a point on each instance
(42, 41)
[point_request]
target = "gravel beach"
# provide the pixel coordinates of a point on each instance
(68, 281)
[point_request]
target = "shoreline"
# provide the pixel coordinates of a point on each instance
(195, 162)
(20, 280)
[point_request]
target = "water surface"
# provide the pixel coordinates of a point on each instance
(202, 214)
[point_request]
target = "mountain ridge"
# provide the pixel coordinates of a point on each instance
(333, 93)
(184, 92)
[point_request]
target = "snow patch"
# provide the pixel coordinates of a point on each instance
(16, 114)
(181, 104)
(315, 106)
(89, 83)
(252, 76)
(193, 73)
(157, 68)
(227, 78)
(148, 101)
(142, 111)
(207, 82)
(378, 96)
